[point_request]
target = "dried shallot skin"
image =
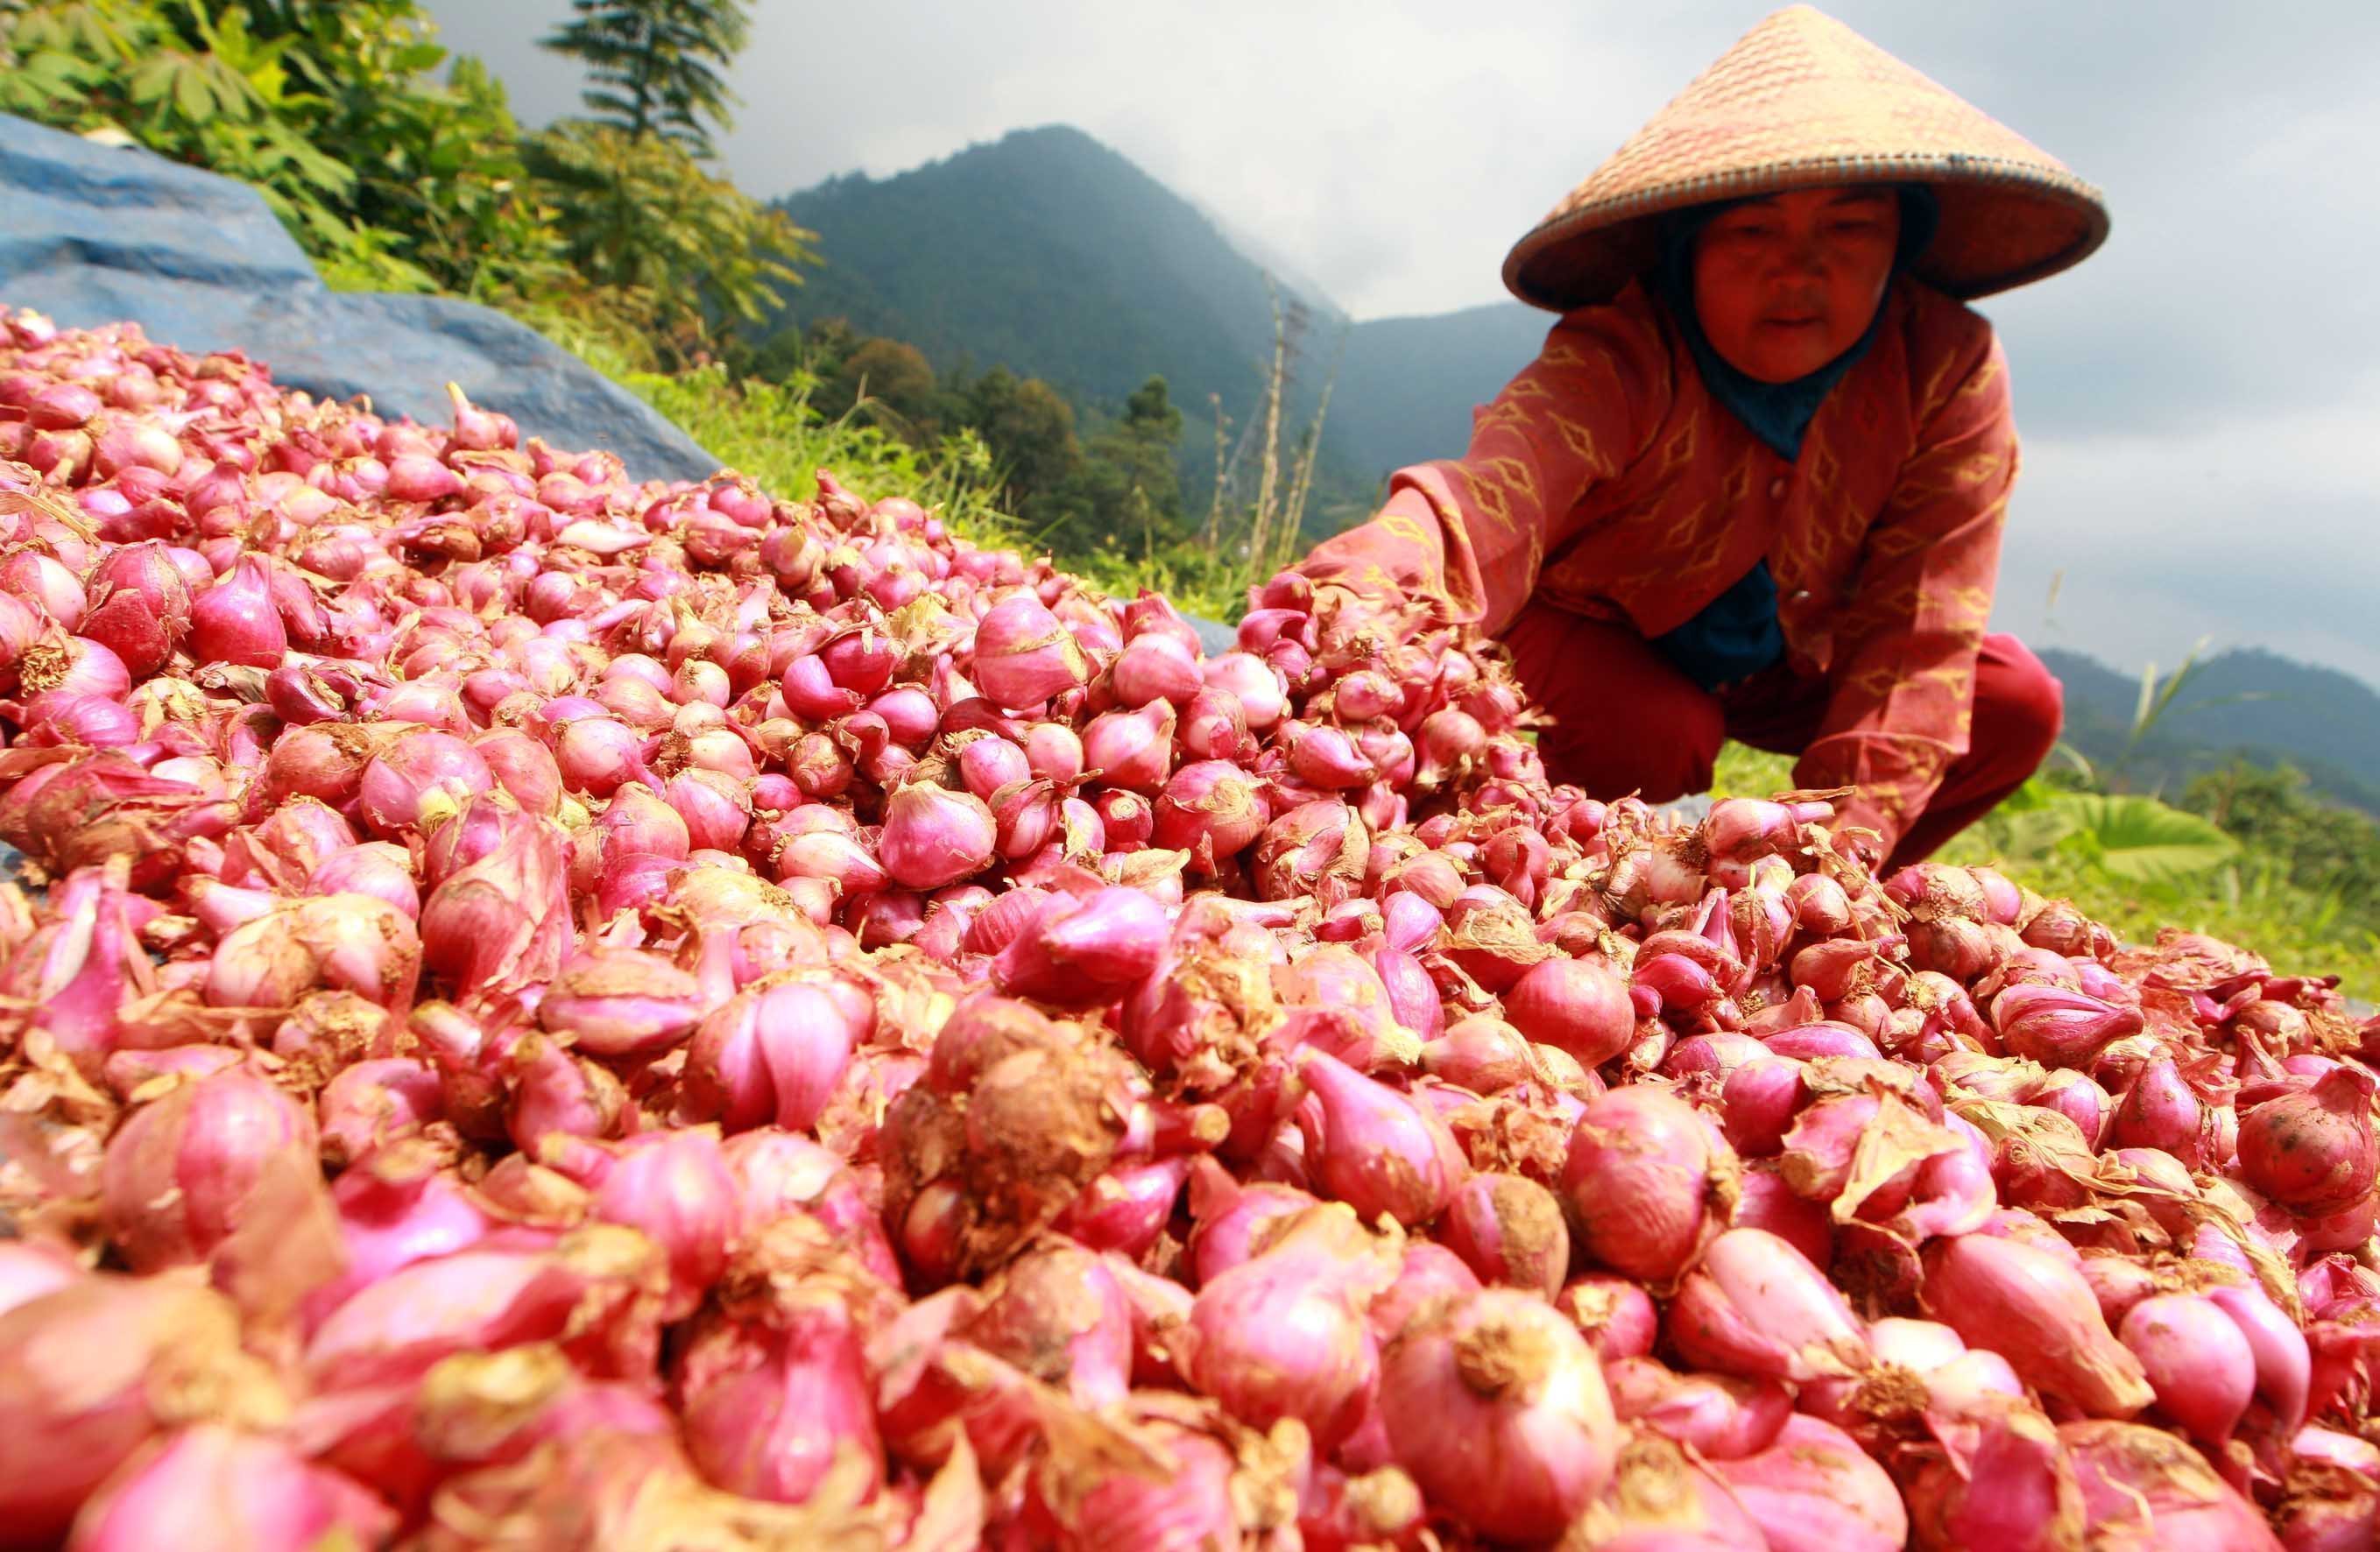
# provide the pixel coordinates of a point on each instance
(545, 1009)
(1020, 1124)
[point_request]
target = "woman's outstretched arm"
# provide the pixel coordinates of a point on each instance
(1468, 536)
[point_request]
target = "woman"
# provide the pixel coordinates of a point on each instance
(1754, 483)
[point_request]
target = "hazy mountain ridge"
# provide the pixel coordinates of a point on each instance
(2246, 703)
(1048, 253)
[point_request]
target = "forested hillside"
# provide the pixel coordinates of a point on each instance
(1410, 384)
(2244, 704)
(1049, 254)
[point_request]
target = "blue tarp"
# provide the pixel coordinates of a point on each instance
(92, 234)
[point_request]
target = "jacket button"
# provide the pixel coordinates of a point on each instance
(1800, 595)
(1776, 488)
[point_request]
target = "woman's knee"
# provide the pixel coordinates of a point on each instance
(1623, 719)
(1649, 739)
(2019, 705)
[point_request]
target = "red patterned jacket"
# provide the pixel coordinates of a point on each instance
(1605, 479)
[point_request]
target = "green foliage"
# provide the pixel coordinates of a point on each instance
(2126, 835)
(1030, 429)
(195, 83)
(655, 67)
(2329, 850)
(773, 433)
(2240, 704)
(1198, 580)
(780, 433)
(1105, 499)
(644, 219)
(1128, 488)
(437, 165)
(898, 384)
(388, 178)
(394, 179)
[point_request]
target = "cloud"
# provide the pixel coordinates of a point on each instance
(2170, 389)
(2260, 533)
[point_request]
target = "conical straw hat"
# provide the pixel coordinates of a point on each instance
(1802, 101)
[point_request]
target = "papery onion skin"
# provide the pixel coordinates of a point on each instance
(1508, 1229)
(2144, 1487)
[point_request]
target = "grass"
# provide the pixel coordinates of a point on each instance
(2239, 902)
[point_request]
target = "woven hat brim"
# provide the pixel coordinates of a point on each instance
(2004, 222)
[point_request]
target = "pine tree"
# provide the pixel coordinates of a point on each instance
(657, 67)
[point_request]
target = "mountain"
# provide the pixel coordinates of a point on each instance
(1409, 384)
(1050, 254)
(2247, 703)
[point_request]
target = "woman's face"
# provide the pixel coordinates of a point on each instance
(1786, 284)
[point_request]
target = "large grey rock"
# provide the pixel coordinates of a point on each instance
(93, 234)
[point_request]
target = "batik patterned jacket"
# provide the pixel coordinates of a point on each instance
(1605, 480)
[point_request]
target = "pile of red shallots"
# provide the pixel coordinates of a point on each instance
(552, 1011)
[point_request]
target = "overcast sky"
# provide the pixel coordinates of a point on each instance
(2200, 402)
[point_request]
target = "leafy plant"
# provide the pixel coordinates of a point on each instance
(655, 65)
(645, 217)
(2151, 709)
(388, 178)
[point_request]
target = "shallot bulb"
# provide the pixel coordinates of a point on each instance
(933, 837)
(770, 1408)
(2038, 1312)
(1023, 656)
(181, 1174)
(1508, 1229)
(1754, 1306)
(1380, 1152)
(132, 1346)
(1282, 1336)
(1815, 1490)
(2197, 1360)
(1498, 1411)
(1577, 1005)
(262, 1494)
(1645, 1174)
(2314, 1151)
